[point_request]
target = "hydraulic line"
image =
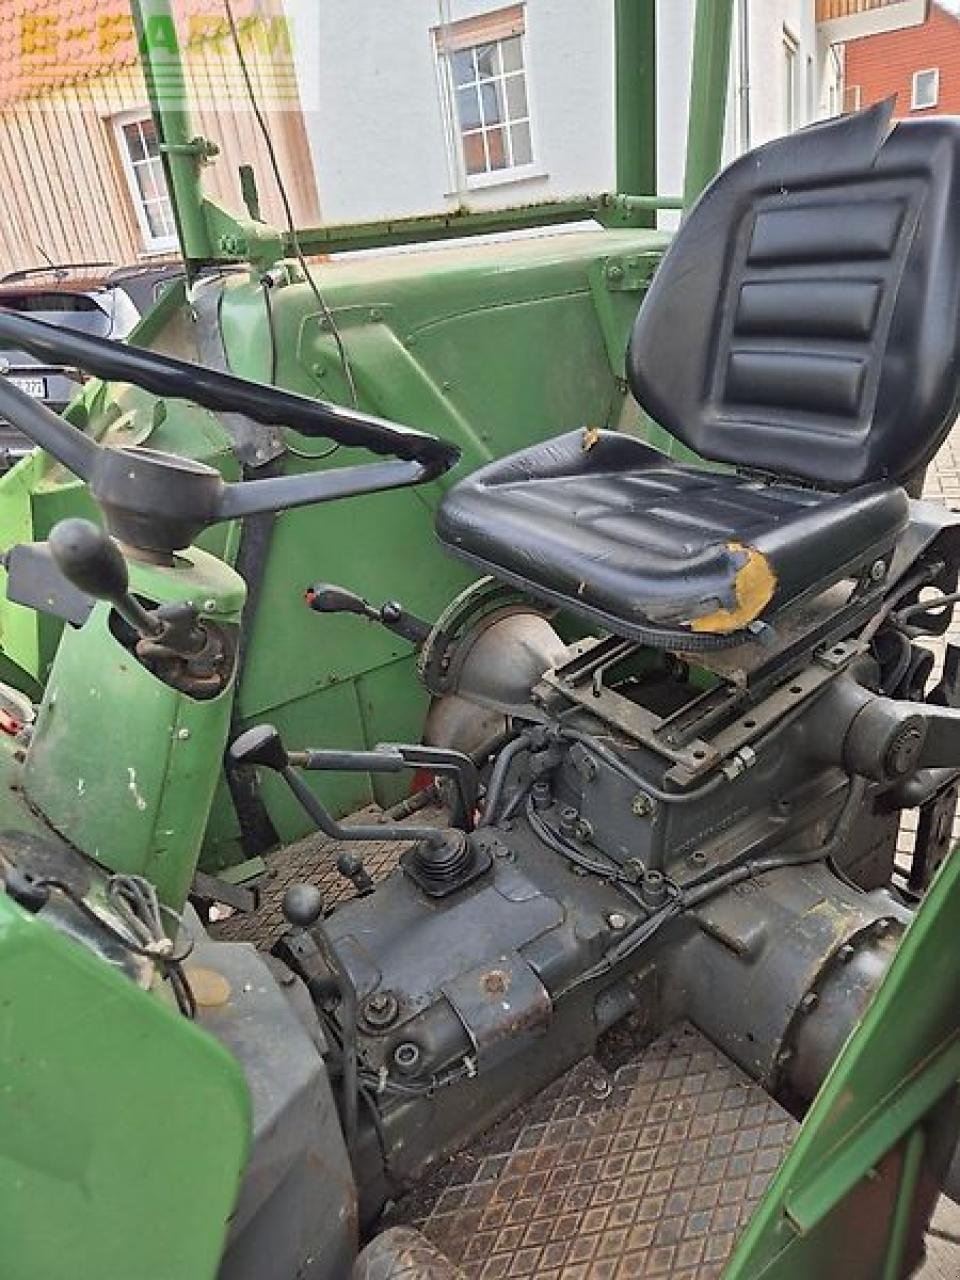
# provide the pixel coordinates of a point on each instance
(499, 774)
(701, 890)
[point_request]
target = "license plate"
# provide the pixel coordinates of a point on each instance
(36, 387)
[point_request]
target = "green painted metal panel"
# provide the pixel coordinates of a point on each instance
(123, 1127)
(858, 1186)
(121, 764)
(492, 345)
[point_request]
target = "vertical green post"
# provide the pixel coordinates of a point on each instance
(635, 28)
(709, 76)
(910, 1172)
(162, 60)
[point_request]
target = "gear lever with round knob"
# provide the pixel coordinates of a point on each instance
(350, 865)
(302, 905)
(91, 560)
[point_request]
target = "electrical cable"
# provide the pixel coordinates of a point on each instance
(498, 776)
(135, 900)
(271, 326)
(287, 207)
(708, 886)
(555, 841)
(914, 583)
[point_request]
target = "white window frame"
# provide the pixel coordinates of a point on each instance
(151, 244)
(451, 120)
(925, 106)
(792, 68)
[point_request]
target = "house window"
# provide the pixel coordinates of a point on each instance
(926, 89)
(851, 98)
(791, 80)
(140, 154)
(483, 66)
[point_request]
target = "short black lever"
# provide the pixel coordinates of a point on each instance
(263, 746)
(350, 865)
(325, 597)
(91, 560)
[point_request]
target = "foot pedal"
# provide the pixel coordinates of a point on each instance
(653, 1168)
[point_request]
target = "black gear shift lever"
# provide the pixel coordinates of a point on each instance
(91, 560)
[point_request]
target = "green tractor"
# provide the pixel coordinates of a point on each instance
(628, 986)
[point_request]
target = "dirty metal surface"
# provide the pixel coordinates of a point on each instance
(312, 860)
(651, 1168)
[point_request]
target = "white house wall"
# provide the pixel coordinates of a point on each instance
(375, 117)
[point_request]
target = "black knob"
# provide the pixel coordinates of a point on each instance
(302, 905)
(350, 865)
(260, 745)
(90, 559)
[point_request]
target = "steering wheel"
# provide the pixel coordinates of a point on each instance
(161, 502)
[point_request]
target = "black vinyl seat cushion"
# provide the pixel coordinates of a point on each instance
(607, 526)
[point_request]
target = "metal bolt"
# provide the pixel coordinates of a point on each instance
(809, 1002)
(318, 370)
(784, 1056)
(183, 734)
(881, 927)
(381, 1009)
(583, 830)
(877, 570)
(617, 920)
(407, 1055)
(846, 953)
(542, 795)
(209, 606)
(569, 819)
(376, 314)
(642, 804)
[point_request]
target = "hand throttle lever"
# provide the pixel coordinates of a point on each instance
(325, 597)
(91, 560)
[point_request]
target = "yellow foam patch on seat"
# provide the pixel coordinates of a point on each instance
(753, 585)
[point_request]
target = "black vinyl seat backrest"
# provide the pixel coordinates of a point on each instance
(805, 321)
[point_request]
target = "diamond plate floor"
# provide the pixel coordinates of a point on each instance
(309, 861)
(651, 1169)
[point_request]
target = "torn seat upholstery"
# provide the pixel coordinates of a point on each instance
(803, 330)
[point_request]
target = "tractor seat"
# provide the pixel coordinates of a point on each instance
(607, 526)
(803, 329)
